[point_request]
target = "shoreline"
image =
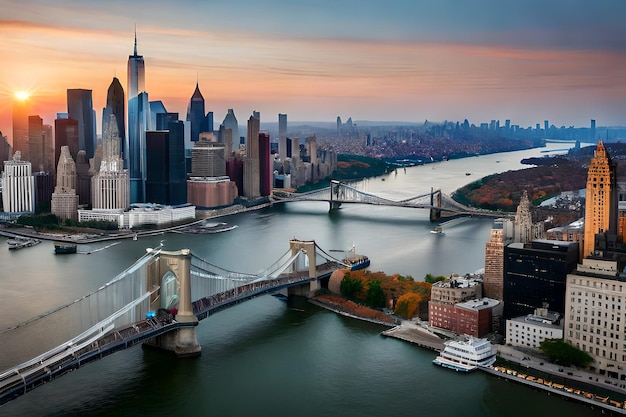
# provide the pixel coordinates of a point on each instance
(408, 331)
(90, 237)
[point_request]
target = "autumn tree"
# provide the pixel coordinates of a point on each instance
(408, 305)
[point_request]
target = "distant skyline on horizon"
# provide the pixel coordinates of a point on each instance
(401, 61)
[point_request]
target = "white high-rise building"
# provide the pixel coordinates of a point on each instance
(110, 188)
(18, 186)
(64, 202)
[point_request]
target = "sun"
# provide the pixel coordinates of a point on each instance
(22, 95)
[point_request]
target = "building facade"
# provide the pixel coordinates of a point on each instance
(18, 186)
(599, 197)
(166, 180)
(535, 276)
(64, 202)
(80, 108)
(110, 186)
(595, 316)
(532, 329)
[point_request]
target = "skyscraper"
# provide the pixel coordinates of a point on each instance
(166, 180)
(80, 108)
(35, 143)
(65, 134)
(251, 168)
(110, 187)
(282, 136)
(19, 141)
(64, 199)
(599, 197)
(195, 114)
(230, 122)
(115, 105)
(18, 186)
(138, 117)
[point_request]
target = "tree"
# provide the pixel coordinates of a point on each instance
(562, 353)
(408, 305)
(375, 295)
(349, 286)
(432, 279)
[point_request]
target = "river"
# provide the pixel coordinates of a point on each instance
(262, 358)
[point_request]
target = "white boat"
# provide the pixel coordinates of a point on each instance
(466, 354)
(437, 231)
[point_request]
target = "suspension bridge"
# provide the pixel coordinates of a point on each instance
(339, 193)
(157, 301)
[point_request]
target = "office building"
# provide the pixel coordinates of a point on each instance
(65, 134)
(195, 114)
(230, 122)
(600, 204)
(535, 276)
(138, 122)
(166, 180)
(5, 149)
(110, 187)
(266, 168)
(282, 136)
(530, 330)
(83, 179)
(19, 141)
(35, 143)
(116, 106)
(80, 108)
(251, 167)
(595, 316)
(18, 186)
(64, 202)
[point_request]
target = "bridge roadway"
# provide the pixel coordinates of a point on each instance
(339, 193)
(66, 358)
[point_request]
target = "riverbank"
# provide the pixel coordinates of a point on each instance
(86, 237)
(351, 309)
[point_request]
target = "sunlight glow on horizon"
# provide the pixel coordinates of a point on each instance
(22, 95)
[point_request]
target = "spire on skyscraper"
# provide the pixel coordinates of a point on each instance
(135, 40)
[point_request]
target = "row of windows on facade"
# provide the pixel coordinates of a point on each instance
(605, 287)
(597, 330)
(612, 344)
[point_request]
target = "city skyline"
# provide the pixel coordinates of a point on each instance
(553, 60)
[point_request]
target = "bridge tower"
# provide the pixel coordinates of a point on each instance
(435, 201)
(172, 272)
(308, 248)
(335, 194)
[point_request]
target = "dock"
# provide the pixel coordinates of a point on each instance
(416, 335)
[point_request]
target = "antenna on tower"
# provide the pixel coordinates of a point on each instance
(135, 39)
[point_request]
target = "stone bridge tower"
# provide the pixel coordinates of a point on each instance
(171, 271)
(308, 248)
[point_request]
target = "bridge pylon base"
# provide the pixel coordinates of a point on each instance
(334, 205)
(181, 342)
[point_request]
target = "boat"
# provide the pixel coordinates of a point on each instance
(466, 354)
(437, 231)
(19, 242)
(358, 262)
(468, 173)
(64, 247)
(355, 261)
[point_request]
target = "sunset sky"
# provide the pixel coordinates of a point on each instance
(395, 60)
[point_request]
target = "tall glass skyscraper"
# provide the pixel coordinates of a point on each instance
(195, 114)
(138, 118)
(80, 108)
